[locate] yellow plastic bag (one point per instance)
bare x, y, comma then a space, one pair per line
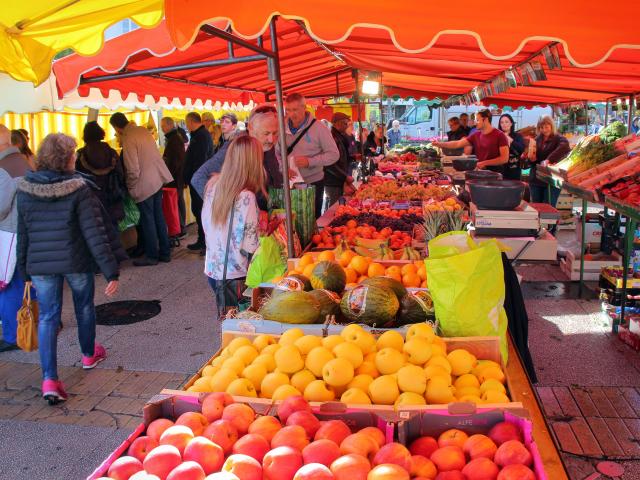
466, 282
27, 334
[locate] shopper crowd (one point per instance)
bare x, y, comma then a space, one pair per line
61, 210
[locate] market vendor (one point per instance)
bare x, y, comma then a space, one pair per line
490, 145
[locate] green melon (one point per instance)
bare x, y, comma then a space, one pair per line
328, 276
329, 303
387, 282
416, 307
371, 305
291, 307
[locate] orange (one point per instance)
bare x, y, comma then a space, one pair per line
362, 278
352, 275
409, 268
346, 257
327, 256
424, 284
352, 224
422, 272
394, 275
419, 263
394, 270
411, 280
308, 270
376, 270
359, 264
307, 259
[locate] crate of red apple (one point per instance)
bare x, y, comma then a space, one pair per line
220, 439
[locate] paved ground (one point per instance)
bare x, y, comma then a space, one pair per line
589, 381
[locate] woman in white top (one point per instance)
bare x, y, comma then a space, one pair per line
229, 198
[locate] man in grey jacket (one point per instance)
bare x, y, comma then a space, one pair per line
313, 146
13, 166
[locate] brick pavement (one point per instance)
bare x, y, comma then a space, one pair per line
111, 398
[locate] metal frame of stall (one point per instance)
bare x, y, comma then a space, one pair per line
272, 58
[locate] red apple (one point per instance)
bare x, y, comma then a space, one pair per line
452, 438
222, 433
351, 467
141, 446
334, 430
512, 452
124, 467
194, 420
314, 471
266, 427
157, 428
448, 458
240, 415
424, 446
207, 454
388, 471
243, 466
224, 397
306, 420
422, 467
360, 444
480, 469
451, 475
253, 445
480, 446
178, 436
516, 472
290, 405
292, 436
393, 453
281, 463
503, 432
187, 471
212, 408
321, 451
376, 434
161, 460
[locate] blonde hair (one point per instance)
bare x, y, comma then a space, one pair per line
57, 152
546, 120
242, 170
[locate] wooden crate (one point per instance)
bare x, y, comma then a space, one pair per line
484, 348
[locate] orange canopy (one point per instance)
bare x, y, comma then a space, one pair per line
590, 30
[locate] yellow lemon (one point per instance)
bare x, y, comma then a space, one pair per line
221, 380
290, 336
236, 343
301, 379
370, 357
491, 372
318, 391
288, 359
482, 364
271, 349
356, 334
461, 361
210, 371
218, 361
307, 343
337, 372
331, 341
284, 391
355, 396
255, 373
318, 358
247, 353
492, 384
384, 390
440, 361
409, 398
202, 384
467, 380
390, 339
271, 382
267, 360
436, 371
349, 351
439, 342
262, 341
389, 360
491, 396
418, 350
234, 363
462, 391
438, 350
412, 378
470, 398
424, 330
368, 368
361, 382
438, 392
242, 387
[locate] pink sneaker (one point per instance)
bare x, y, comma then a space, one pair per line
99, 354
53, 391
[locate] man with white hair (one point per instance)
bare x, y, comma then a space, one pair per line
13, 166
394, 134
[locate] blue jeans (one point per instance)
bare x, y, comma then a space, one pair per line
154, 228
49, 288
10, 303
540, 194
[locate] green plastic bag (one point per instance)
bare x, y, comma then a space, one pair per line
466, 281
131, 214
267, 263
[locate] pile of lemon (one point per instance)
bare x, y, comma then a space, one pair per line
354, 367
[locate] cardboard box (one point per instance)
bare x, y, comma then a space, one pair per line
571, 266
416, 424
545, 247
593, 232
484, 348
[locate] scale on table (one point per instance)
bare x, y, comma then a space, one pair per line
523, 221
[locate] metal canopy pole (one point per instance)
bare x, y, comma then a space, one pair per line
631, 102
606, 113
274, 74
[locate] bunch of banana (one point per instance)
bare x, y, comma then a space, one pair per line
342, 247
385, 253
409, 253
372, 243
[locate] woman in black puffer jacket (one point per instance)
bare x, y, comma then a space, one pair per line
62, 236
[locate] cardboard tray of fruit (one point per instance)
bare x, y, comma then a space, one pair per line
482, 444
186, 435
485, 349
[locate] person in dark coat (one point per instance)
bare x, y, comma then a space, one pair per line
457, 132
173, 156
511, 170
105, 166
62, 236
336, 176
551, 147
200, 149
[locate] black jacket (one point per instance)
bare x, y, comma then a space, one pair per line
173, 156
61, 227
371, 146
336, 174
199, 151
553, 149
